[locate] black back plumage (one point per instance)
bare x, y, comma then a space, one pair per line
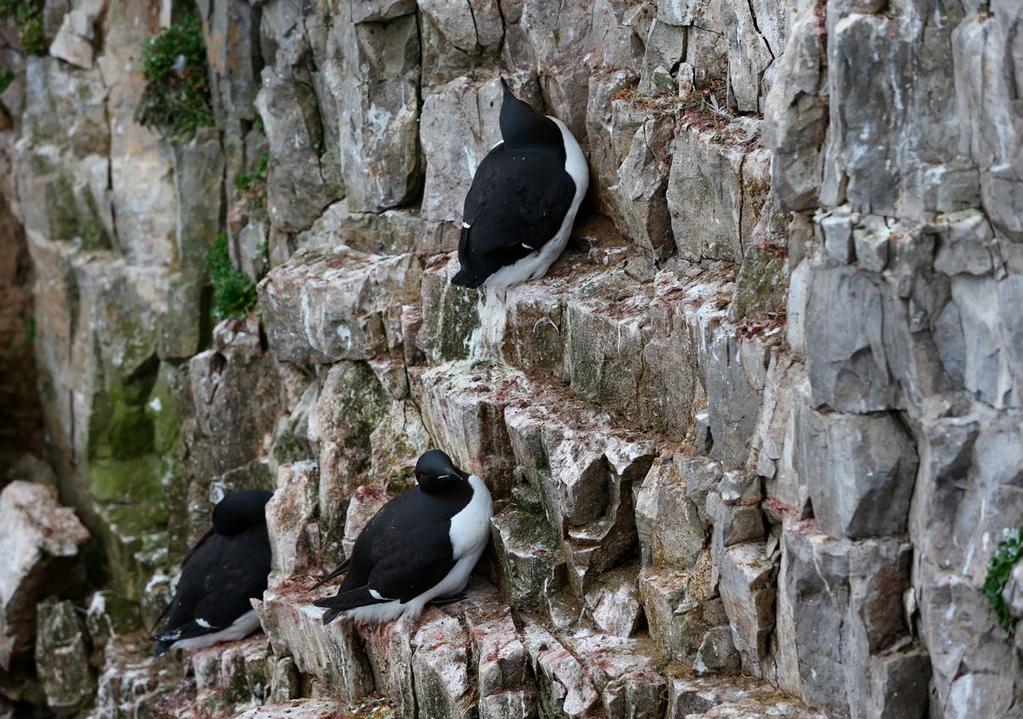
405, 549
519, 195
223, 571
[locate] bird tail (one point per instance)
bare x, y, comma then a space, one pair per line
336, 573
343, 601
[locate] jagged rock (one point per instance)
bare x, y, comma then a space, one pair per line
681, 606
376, 93
290, 521
795, 113
455, 41
966, 245
565, 688
108, 616
134, 683
351, 404
77, 34
42, 560
852, 590
527, 549
613, 602
710, 180
860, 470
748, 54
668, 522
624, 671
364, 503
585, 471
730, 698
62, 656
332, 653
747, 589
717, 654
848, 370
440, 668
330, 304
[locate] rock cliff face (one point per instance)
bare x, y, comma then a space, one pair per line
753, 440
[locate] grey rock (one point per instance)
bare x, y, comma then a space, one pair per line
860, 471
565, 688
748, 54
455, 41
848, 368
871, 242
681, 606
747, 590
731, 698
717, 654
329, 304
440, 666
966, 245
62, 656
838, 237
710, 181
669, 524
613, 602
290, 521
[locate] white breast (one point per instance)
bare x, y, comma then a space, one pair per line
470, 528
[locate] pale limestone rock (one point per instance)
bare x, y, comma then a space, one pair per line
42, 541
62, 656
290, 515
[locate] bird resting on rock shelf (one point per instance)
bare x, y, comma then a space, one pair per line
523, 200
420, 547
227, 568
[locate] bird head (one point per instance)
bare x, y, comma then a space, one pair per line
522, 126
240, 510
435, 470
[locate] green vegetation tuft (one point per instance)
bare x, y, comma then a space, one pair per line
251, 186
28, 17
177, 95
234, 292
1008, 552
6, 78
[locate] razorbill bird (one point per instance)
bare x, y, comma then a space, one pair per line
523, 200
420, 546
223, 571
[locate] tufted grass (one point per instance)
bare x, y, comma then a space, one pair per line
234, 293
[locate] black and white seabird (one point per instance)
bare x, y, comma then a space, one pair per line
523, 200
223, 571
421, 546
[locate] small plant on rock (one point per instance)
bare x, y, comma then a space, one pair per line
234, 291
28, 17
251, 186
177, 95
999, 568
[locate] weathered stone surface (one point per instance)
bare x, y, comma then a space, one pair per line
62, 656
109, 615
718, 182
717, 654
848, 369
669, 525
134, 682
330, 304
795, 113
41, 559
332, 653
860, 470
565, 688
290, 515
747, 589
728, 698
852, 591
77, 35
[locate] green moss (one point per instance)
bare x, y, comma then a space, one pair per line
460, 319
999, 568
28, 17
234, 292
177, 95
6, 78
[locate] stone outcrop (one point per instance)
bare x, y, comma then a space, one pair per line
753, 440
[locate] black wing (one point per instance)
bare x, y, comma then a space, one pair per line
217, 581
516, 204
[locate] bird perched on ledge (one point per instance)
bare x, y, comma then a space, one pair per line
420, 547
227, 568
523, 200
